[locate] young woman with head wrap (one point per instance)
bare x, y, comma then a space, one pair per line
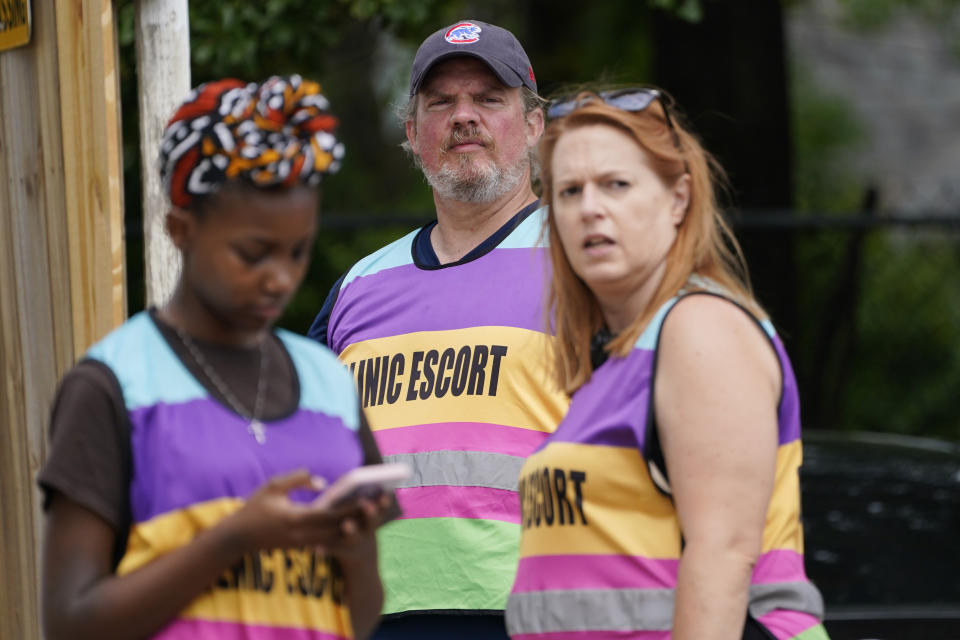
188, 445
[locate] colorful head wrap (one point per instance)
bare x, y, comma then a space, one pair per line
276, 133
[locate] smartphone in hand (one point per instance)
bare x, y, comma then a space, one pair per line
370, 481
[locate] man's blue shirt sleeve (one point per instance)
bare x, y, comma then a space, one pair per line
318, 330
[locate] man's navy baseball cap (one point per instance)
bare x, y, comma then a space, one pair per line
494, 45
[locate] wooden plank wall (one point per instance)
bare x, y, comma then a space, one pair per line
93, 166
61, 255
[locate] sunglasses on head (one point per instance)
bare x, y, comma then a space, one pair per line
632, 100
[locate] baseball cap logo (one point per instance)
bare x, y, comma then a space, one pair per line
462, 33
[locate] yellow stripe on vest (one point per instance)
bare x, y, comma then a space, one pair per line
282, 587
597, 499
588, 502
495, 375
783, 529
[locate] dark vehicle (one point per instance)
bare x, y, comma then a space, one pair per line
882, 525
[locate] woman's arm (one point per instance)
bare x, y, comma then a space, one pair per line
358, 559
83, 598
716, 395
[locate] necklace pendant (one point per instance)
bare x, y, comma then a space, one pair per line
258, 431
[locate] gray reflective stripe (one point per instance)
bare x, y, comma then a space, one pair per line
796, 596
590, 610
636, 609
461, 469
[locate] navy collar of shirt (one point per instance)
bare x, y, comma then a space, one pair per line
426, 258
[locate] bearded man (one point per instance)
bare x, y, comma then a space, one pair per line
444, 333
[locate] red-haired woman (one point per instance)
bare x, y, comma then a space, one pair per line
667, 502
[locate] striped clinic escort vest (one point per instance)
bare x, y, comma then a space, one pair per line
450, 366
194, 463
601, 544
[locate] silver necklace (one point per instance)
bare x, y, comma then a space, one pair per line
256, 428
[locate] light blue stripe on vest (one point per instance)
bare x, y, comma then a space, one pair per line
709, 285
768, 327
648, 339
395, 254
148, 370
325, 384
528, 233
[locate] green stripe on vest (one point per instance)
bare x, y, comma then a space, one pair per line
447, 563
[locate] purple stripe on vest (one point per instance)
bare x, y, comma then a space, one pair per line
199, 451
459, 436
789, 416
605, 409
216, 630
478, 503
546, 573
407, 299
615, 398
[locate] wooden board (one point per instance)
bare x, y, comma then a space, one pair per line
90, 125
61, 217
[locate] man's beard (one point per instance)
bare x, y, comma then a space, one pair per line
469, 179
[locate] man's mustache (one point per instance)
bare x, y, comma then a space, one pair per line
472, 134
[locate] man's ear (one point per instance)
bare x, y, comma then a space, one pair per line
535, 126
411, 128
180, 226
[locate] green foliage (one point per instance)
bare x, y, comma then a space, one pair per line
826, 132
348, 45
879, 323
398, 12
907, 364
238, 38
328, 40
572, 54
891, 362
873, 15
689, 10
902, 364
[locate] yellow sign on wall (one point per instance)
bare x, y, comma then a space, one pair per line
15, 23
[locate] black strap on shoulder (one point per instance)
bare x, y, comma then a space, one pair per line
657, 465
653, 451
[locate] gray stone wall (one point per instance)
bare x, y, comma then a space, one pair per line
902, 80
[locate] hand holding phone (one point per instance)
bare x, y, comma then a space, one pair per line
370, 482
